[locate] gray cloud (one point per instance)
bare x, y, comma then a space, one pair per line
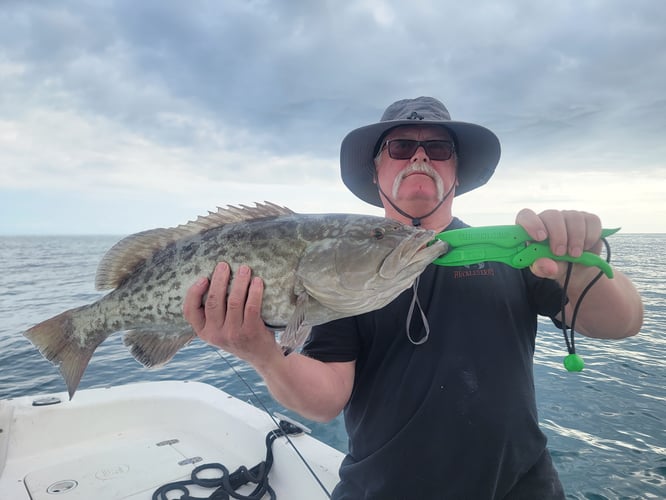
299, 75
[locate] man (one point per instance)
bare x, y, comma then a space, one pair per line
437, 387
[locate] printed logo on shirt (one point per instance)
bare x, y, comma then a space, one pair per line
474, 270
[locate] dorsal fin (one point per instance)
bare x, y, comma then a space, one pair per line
131, 252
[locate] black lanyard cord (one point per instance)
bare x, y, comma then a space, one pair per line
573, 362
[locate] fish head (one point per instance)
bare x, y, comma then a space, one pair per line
390, 252
368, 263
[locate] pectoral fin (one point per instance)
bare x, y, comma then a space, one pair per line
297, 330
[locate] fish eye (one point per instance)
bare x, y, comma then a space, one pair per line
378, 233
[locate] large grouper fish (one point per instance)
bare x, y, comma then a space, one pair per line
316, 268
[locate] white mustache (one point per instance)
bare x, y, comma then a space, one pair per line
419, 168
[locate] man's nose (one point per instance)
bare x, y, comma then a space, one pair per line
420, 155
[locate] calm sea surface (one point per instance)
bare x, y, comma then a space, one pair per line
606, 425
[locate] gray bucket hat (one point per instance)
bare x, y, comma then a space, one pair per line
477, 148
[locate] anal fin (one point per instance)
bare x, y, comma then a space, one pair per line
155, 348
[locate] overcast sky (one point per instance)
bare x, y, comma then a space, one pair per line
120, 116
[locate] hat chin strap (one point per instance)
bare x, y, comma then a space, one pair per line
416, 221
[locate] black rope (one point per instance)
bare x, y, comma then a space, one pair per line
569, 338
261, 403
227, 483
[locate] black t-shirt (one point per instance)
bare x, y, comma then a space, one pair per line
453, 417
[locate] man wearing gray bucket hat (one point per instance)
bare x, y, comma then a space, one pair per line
437, 387
477, 148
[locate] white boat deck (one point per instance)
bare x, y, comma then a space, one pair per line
124, 442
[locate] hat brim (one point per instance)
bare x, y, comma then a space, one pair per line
478, 151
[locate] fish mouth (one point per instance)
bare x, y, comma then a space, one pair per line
414, 251
430, 248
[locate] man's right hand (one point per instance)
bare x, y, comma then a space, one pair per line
231, 323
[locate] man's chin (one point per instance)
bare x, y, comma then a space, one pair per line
419, 197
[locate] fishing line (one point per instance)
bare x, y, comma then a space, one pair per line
573, 362
277, 424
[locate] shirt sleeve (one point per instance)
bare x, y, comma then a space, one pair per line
546, 294
336, 341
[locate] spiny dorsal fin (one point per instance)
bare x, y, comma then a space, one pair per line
131, 252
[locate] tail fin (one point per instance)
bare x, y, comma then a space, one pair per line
70, 351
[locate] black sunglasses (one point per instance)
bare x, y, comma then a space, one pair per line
404, 149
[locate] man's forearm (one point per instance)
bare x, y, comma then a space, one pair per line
316, 390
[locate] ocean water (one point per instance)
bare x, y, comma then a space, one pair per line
606, 425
